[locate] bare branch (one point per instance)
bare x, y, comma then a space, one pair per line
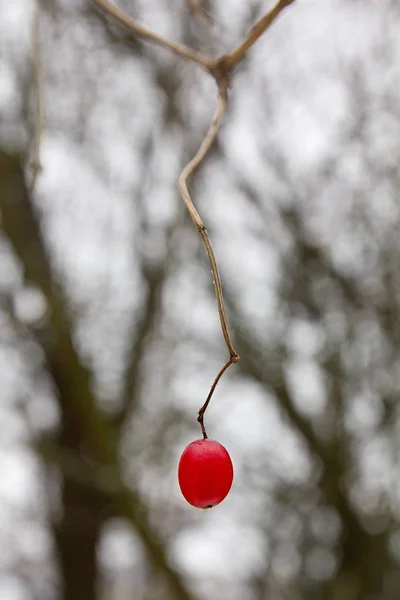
259, 28
201, 228
38, 78
220, 69
176, 47
197, 10
183, 188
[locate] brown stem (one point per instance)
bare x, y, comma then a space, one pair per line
203, 409
187, 171
224, 63
238, 54
220, 69
201, 228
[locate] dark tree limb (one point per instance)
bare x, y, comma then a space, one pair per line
84, 428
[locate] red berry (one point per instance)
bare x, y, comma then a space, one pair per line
205, 473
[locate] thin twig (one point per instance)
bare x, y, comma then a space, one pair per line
220, 69
201, 12
234, 57
221, 66
203, 409
38, 78
201, 228
176, 47
183, 188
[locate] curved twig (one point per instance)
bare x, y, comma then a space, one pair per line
220, 69
201, 228
202, 410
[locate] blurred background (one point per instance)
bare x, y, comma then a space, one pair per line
109, 332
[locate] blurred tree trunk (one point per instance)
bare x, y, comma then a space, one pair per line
76, 537
82, 513
86, 444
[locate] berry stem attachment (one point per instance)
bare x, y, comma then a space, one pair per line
203, 409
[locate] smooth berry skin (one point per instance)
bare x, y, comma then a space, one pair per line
205, 473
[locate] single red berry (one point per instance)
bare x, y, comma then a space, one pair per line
205, 473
